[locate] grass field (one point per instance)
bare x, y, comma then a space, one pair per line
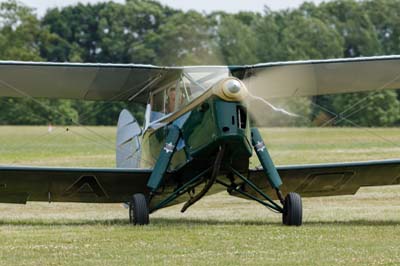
219, 230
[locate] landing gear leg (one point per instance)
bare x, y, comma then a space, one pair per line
266, 161
163, 160
139, 204
292, 205
209, 182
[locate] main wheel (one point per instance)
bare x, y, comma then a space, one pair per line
138, 210
292, 210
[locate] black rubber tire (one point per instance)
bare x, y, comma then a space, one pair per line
293, 210
138, 210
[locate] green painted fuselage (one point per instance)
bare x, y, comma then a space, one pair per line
204, 129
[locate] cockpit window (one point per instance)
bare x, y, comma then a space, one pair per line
205, 77
157, 105
192, 83
171, 101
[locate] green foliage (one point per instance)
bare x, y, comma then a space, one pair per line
105, 113
19, 32
124, 31
268, 47
77, 26
145, 31
385, 16
309, 38
349, 19
237, 41
186, 38
378, 108
36, 112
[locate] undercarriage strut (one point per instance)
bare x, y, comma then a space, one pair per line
209, 182
208, 176
266, 162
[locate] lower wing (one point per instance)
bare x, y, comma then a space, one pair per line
20, 184
331, 179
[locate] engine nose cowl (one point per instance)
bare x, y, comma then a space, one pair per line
231, 89
232, 86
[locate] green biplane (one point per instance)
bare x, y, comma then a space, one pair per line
197, 137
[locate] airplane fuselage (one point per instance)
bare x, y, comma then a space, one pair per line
205, 126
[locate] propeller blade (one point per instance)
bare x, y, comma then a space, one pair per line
320, 77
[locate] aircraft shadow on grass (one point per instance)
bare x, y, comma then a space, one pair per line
194, 222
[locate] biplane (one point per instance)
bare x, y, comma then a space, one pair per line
198, 136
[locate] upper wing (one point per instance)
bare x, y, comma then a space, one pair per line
127, 81
331, 179
77, 81
317, 77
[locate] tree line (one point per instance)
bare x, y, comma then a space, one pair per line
147, 32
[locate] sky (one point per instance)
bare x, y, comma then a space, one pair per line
231, 6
